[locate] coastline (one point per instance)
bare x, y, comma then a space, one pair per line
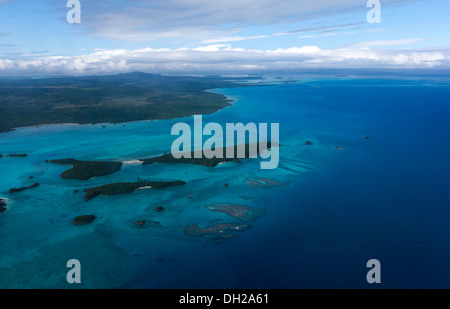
107, 123
122, 123
152, 98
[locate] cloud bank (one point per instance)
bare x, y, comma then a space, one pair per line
224, 58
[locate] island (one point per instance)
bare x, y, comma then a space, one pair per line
17, 155
83, 170
83, 220
190, 158
107, 99
169, 159
129, 187
15, 190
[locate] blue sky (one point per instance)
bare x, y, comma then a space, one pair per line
232, 36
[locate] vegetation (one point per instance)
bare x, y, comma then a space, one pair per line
128, 187
209, 162
168, 158
82, 220
106, 99
83, 170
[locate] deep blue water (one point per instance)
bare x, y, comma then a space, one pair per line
384, 198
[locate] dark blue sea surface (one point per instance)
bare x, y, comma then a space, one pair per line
340, 202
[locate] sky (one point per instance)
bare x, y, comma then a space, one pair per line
220, 36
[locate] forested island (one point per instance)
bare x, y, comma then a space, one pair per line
107, 99
129, 187
83, 170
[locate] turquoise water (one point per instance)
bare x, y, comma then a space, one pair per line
386, 197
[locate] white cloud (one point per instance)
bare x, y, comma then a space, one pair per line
224, 58
296, 50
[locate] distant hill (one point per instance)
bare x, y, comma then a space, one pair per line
106, 99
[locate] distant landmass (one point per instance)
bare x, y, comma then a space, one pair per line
107, 99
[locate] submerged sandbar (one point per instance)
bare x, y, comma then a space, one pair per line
243, 212
222, 230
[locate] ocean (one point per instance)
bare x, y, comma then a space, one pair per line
374, 184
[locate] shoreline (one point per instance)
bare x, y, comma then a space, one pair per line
123, 123
151, 98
